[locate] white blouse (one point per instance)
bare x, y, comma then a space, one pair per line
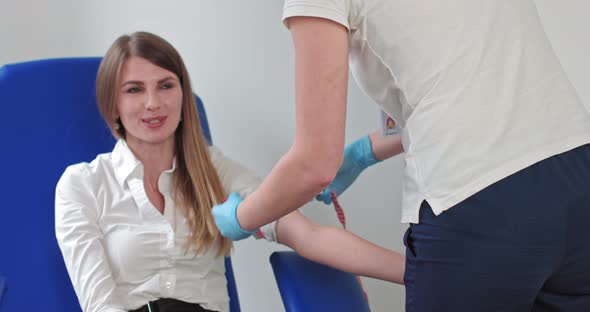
120, 252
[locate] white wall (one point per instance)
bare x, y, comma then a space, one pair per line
240, 59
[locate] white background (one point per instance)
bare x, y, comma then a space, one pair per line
240, 59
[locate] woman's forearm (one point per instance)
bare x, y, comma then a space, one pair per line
339, 249
345, 251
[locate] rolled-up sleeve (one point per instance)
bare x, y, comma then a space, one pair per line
81, 242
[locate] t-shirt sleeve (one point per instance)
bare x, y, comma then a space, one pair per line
334, 10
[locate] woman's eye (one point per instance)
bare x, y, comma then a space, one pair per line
133, 90
167, 86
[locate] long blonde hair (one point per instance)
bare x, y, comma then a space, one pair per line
196, 183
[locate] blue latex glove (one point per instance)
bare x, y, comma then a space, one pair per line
358, 156
226, 218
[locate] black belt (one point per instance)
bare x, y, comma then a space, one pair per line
170, 305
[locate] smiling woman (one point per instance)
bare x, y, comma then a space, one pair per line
140, 86
149, 108
135, 225
150, 96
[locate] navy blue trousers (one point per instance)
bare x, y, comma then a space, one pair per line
521, 244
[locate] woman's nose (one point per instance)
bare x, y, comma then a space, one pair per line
152, 101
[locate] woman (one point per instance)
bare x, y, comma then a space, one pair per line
497, 161
135, 225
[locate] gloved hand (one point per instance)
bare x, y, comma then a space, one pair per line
226, 218
358, 156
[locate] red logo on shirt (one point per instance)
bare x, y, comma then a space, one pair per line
390, 123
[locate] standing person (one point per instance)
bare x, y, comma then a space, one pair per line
135, 226
497, 161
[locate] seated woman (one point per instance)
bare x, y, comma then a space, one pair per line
135, 225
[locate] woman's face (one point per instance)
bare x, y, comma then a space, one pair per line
149, 102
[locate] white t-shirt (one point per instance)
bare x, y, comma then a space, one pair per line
120, 252
475, 84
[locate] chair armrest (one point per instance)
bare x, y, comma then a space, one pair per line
307, 286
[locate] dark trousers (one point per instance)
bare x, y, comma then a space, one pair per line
171, 305
520, 245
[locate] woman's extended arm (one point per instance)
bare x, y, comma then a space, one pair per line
339, 249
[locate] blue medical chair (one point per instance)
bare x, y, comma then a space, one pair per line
307, 286
49, 120
2, 283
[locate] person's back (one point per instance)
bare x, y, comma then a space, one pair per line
472, 82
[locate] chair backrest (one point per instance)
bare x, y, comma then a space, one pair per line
51, 120
2, 282
307, 286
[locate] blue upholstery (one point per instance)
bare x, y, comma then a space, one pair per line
307, 286
50, 120
2, 284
